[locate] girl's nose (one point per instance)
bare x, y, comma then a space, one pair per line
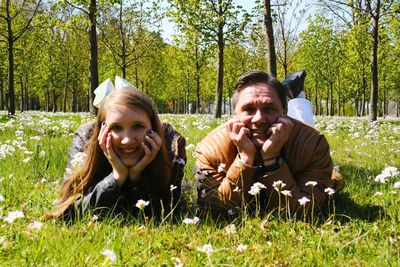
130, 137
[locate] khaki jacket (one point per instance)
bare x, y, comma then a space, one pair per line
225, 181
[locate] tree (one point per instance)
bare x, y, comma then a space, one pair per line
18, 18
375, 9
197, 51
289, 16
270, 38
216, 20
319, 53
91, 13
124, 32
2, 76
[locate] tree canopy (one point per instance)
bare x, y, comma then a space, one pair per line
48, 60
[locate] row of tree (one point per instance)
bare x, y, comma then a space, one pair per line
53, 54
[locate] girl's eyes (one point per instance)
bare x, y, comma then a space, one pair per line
117, 128
138, 126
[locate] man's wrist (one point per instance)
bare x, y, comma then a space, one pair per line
270, 165
270, 161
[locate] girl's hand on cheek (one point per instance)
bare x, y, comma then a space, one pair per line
151, 145
120, 171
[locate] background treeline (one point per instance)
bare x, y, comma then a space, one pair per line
53, 54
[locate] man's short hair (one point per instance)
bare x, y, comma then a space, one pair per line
257, 76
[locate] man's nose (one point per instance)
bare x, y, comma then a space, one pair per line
259, 116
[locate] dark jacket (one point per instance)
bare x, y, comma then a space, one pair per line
106, 196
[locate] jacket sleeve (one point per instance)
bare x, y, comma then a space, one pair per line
223, 189
317, 168
79, 141
224, 179
176, 147
103, 197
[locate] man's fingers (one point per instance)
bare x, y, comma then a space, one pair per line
243, 132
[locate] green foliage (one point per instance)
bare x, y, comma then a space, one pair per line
364, 230
52, 56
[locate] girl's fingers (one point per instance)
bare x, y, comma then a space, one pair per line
102, 129
103, 135
153, 144
154, 136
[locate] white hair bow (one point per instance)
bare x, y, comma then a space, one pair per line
107, 86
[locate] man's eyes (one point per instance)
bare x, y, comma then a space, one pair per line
267, 110
250, 110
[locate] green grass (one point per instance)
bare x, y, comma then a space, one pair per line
364, 231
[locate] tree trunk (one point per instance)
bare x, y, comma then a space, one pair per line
74, 98
94, 74
339, 97
327, 106
270, 38
1, 93
220, 78
197, 81
11, 93
331, 108
47, 100
343, 107
66, 87
316, 104
54, 102
187, 96
22, 93
398, 105
374, 65
357, 103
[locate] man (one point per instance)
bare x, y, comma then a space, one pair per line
261, 144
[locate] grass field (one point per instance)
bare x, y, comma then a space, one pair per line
360, 228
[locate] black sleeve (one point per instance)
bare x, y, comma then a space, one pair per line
79, 141
105, 196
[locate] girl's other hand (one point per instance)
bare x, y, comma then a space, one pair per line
151, 145
120, 171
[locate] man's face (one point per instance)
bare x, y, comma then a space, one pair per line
258, 107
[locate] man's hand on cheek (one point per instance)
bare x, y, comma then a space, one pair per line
279, 133
240, 136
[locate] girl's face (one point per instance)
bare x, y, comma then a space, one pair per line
128, 126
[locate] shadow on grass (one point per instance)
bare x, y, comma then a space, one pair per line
347, 209
354, 201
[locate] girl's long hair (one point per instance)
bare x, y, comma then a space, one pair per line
96, 165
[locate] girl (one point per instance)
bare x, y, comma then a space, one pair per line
131, 156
